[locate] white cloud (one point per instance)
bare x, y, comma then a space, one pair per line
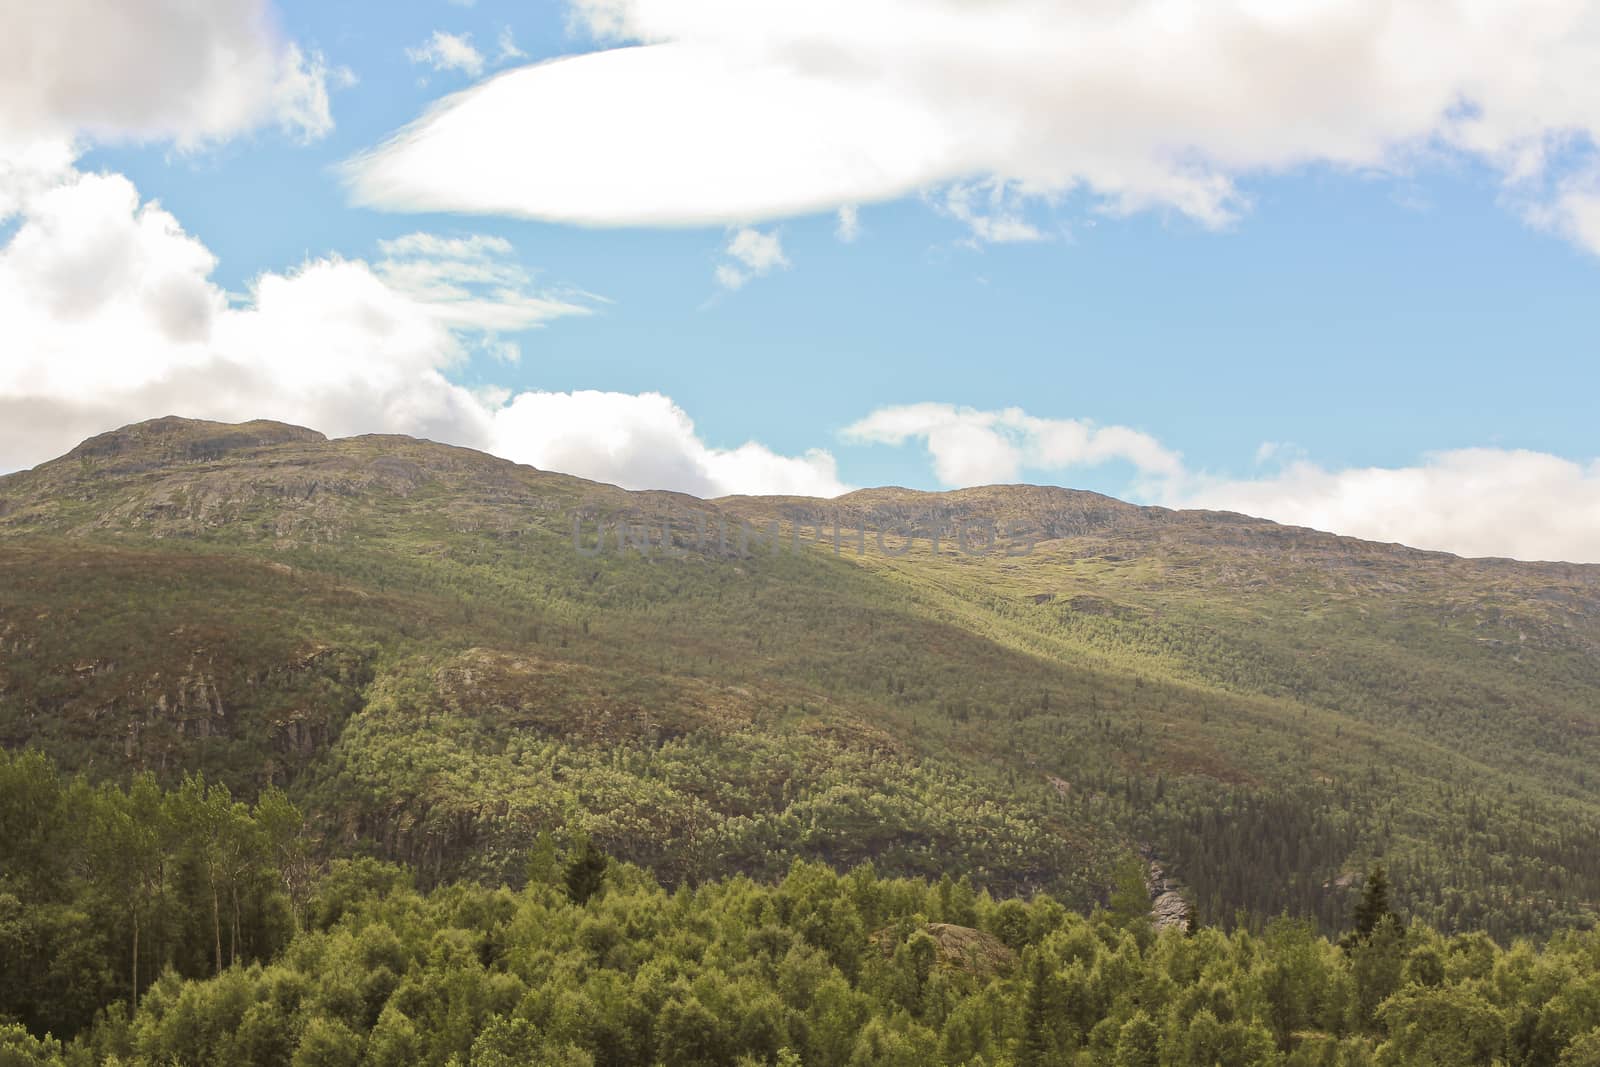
754, 254
449, 51
756, 250
157, 70
728, 111
471, 283
108, 315
991, 210
1573, 209
1474, 502
973, 447
848, 226
648, 442
507, 43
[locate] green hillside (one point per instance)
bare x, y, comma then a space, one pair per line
406, 637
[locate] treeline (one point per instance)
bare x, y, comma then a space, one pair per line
1508, 870
103, 888
250, 957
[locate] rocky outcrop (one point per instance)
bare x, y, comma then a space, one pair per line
959, 948
1169, 908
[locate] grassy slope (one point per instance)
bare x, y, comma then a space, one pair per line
406, 632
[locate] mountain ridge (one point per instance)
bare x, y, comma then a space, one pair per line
198, 441
408, 637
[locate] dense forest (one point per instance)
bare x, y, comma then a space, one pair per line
151, 926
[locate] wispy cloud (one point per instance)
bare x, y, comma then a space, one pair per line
753, 253
508, 50
448, 51
992, 212
848, 225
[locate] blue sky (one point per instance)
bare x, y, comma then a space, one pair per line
1340, 319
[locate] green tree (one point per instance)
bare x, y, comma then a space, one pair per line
1374, 906
542, 867
1130, 898
284, 832
585, 872
1452, 1027
1584, 1051
1042, 1008
132, 834
688, 1035
1138, 1042
1377, 963
18, 1048
327, 1043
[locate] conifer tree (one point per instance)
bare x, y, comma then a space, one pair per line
586, 871
1374, 905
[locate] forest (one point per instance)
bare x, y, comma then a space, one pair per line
145, 925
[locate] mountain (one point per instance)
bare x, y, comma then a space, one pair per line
426, 647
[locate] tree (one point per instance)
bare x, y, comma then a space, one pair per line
541, 866
18, 1048
1138, 1042
1584, 1051
687, 1033
202, 815
284, 829
1376, 963
1451, 1027
131, 834
1041, 1008
241, 847
1374, 905
586, 871
1130, 899
327, 1043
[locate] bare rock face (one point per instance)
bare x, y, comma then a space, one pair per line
1170, 911
959, 948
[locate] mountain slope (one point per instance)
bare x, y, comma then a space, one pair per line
424, 643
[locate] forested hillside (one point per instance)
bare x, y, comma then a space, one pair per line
430, 656
255, 958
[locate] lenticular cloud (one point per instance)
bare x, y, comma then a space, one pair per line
709, 112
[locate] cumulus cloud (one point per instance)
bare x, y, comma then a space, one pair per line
648, 442
727, 111
753, 253
108, 315
107, 306
1473, 502
157, 70
972, 447
448, 51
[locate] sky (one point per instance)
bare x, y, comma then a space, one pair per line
1330, 263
